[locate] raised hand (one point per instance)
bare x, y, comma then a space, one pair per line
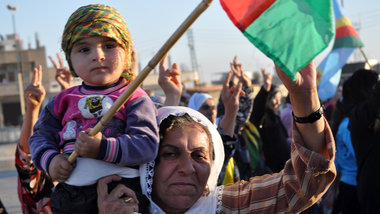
34, 95
170, 82
237, 70
305, 79
304, 98
62, 75
35, 92
267, 79
230, 95
230, 98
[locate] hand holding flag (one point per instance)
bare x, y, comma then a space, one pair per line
305, 101
290, 32
304, 83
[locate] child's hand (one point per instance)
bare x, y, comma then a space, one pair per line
88, 146
60, 169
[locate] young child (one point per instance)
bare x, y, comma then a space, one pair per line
98, 49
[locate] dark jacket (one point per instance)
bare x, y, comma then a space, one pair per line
367, 148
273, 133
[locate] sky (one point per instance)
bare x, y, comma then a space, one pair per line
152, 22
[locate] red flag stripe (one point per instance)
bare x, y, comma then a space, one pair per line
346, 31
242, 13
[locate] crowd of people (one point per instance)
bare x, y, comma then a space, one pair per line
242, 154
355, 123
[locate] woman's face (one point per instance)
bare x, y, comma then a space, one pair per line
275, 102
208, 109
183, 168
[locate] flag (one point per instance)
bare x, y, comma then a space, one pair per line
290, 32
346, 41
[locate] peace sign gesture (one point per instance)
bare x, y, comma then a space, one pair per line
34, 94
267, 79
62, 75
170, 82
230, 98
238, 72
35, 91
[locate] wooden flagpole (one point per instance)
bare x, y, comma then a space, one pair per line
365, 57
145, 72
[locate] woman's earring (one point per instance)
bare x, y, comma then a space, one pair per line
206, 191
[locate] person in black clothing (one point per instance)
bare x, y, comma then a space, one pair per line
330, 105
364, 88
266, 117
2, 208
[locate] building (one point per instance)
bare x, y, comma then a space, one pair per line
17, 63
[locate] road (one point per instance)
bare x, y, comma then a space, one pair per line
8, 179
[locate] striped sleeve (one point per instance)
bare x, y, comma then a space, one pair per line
46, 158
109, 150
304, 179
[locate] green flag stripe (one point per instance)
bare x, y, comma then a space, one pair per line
293, 32
347, 42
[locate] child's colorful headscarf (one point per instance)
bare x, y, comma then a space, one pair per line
97, 20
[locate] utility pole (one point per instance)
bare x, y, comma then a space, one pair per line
193, 57
357, 55
19, 62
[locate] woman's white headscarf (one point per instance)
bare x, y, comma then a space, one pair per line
205, 204
197, 99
